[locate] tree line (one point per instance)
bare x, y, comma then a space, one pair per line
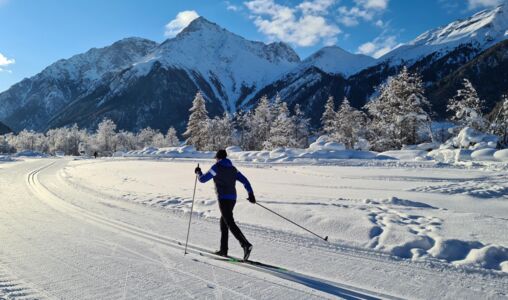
398, 115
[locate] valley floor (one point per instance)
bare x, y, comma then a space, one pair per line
110, 228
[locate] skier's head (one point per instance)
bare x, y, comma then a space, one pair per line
221, 154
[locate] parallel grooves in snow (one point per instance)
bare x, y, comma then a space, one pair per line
332, 288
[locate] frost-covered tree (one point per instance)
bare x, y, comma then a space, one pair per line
282, 130
328, 119
399, 113
196, 132
29, 140
220, 133
146, 136
66, 140
466, 107
256, 125
351, 125
126, 141
105, 137
302, 127
499, 125
172, 138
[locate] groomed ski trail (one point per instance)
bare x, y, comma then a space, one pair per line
318, 284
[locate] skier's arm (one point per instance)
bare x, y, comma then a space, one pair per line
244, 181
208, 175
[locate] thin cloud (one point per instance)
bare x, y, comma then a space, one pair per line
379, 46
4, 62
474, 4
303, 25
364, 10
182, 20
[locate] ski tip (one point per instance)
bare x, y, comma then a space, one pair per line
326, 238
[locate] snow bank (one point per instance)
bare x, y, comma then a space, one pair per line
469, 138
5, 158
30, 153
320, 150
501, 155
408, 155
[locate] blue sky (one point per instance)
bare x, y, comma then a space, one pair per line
36, 33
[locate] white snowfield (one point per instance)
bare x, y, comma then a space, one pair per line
110, 228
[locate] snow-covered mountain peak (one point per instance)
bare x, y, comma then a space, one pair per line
94, 63
482, 30
335, 60
222, 56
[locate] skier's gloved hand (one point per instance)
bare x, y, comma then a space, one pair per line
197, 171
252, 198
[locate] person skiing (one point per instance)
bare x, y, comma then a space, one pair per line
225, 175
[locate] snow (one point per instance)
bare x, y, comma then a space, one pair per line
232, 61
482, 30
103, 228
30, 153
334, 60
401, 212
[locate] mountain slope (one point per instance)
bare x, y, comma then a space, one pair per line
231, 65
334, 60
481, 30
4, 129
30, 103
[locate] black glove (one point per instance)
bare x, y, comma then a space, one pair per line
252, 198
197, 171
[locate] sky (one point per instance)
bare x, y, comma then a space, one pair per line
36, 33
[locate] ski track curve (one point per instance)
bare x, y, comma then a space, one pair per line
214, 279
318, 284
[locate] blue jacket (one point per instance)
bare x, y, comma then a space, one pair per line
225, 175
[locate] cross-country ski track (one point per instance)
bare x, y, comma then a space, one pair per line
64, 241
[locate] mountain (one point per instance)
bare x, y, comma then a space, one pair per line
149, 84
33, 101
335, 60
482, 31
140, 83
4, 129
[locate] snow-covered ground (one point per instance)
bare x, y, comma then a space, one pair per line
103, 229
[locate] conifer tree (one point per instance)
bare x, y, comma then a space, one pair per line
328, 119
467, 106
196, 127
399, 113
350, 125
302, 127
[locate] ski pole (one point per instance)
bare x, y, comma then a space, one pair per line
192, 208
323, 238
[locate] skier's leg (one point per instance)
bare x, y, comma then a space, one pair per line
224, 236
226, 208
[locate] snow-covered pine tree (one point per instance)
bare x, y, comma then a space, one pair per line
196, 132
302, 127
158, 140
328, 119
220, 133
126, 141
105, 137
399, 113
499, 125
467, 106
256, 125
350, 125
172, 138
145, 137
282, 130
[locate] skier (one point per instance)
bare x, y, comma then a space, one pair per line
95, 154
225, 175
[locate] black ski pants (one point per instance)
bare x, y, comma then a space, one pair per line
227, 222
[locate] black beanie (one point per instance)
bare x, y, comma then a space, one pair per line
221, 154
